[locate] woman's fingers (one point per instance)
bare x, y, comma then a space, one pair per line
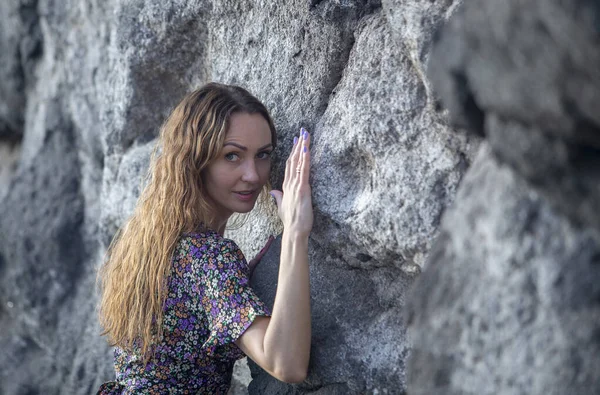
299, 153
296, 154
294, 162
305, 169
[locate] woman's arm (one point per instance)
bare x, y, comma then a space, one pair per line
281, 344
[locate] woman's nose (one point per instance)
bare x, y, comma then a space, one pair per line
250, 172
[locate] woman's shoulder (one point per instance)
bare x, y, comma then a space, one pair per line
208, 239
207, 236
207, 247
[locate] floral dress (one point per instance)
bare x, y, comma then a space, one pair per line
208, 307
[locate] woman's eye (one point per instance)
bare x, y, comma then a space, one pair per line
231, 156
264, 155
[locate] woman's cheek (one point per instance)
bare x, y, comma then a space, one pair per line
265, 168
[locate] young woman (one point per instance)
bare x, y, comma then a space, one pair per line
176, 302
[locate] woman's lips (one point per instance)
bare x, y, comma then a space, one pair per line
244, 195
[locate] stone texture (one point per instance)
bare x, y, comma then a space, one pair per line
49, 326
512, 72
9, 158
85, 88
415, 25
396, 166
359, 306
509, 300
21, 47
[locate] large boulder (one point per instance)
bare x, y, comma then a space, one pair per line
509, 300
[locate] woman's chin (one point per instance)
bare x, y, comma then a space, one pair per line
244, 210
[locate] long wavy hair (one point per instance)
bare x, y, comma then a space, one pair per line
133, 276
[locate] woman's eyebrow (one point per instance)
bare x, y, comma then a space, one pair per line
245, 148
265, 147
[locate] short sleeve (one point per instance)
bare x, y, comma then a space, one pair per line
227, 299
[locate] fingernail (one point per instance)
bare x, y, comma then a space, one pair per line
302, 131
295, 140
305, 135
304, 148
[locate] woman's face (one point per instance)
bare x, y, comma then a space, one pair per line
236, 177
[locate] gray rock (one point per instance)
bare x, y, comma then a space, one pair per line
509, 301
384, 169
568, 174
525, 75
47, 324
416, 23
9, 158
517, 61
123, 180
21, 47
359, 306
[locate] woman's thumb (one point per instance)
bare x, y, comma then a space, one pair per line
277, 195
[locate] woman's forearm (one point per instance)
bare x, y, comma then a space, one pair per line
288, 336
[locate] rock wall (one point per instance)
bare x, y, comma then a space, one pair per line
510, 300
85, 85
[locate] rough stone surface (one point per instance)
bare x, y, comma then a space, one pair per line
524, 76
9, 158
84, 87
396, 165
509, 300
357, 305
21, 46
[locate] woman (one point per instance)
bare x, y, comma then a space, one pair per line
175, 297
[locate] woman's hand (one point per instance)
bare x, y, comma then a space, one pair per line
294, 204
252, 264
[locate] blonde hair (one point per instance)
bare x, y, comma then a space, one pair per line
133, 276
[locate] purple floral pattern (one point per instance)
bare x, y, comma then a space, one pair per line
208, 307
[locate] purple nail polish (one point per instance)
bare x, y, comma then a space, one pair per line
295, 140
304, 148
